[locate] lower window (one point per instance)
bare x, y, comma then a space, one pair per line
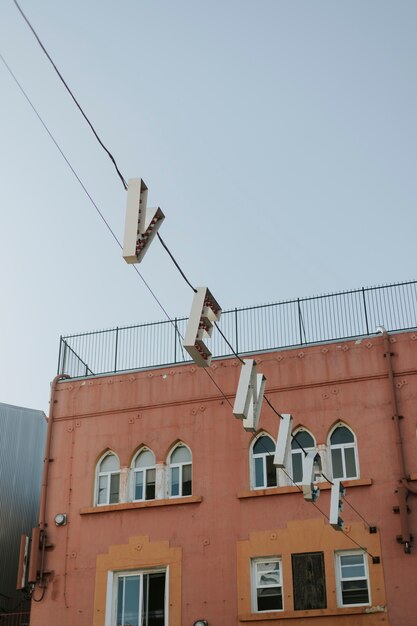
352, 578
266, 585
139, 599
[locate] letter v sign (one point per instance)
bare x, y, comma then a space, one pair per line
139, 228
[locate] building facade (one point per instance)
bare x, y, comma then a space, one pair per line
22, 443
160, 509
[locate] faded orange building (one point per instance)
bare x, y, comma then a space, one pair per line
171, 511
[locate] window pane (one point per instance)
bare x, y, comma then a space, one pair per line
175, 481
181, 455
131, 601
350, 462
259, 472
355, 592
302, 438
342, 435
114, 488
102, 490
351, 559
120, 596
150, 484
269, 599
145, 459
156, 600
268, 574
109, 464
139, 485
186, 480
297, 467
337, 463
264, 445
271, 472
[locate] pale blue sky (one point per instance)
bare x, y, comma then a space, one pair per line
279, 138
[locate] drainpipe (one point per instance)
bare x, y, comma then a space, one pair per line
404, 487
37, 551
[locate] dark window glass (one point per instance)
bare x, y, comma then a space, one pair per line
271, 472
355, 592
342, 435
350, 462
186, 480
150, 484
309, 581
114, 488
175, 481
337, 464
302, 438
270, 599
156, 600
264, 445
297, 467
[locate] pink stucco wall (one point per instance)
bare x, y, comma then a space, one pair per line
318, 385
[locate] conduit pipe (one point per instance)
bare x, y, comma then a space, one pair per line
38, 534
404, 487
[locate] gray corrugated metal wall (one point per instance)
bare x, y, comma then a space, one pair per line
22, 443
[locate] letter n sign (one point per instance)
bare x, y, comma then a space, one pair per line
140, 228
204, 312
249, 396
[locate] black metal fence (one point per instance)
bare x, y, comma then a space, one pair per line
302, 321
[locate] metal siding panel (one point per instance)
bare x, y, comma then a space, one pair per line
22, 443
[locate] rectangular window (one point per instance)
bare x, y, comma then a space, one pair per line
309, 581
139, 599
266, 585
352, 578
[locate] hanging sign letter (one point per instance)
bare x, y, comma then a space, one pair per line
249, 396
336, 505
204, 312
283, 441
311, 470
139, 228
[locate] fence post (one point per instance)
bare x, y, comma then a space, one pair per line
175, 339
364, 308
236, 333
299, 321
64, 357
59, 356
115, 349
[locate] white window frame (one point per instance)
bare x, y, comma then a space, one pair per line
261, 455
107, 475
111, 595
342, 447
254, 586
340, 579
144, 470
300, 452
180, 467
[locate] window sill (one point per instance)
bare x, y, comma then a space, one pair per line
277, 615
146, 504
276, 491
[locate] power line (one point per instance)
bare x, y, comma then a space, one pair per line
115, 237
71, 94
86, 191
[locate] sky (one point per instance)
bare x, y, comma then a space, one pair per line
279, 137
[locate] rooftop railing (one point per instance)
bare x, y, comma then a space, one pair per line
291, 323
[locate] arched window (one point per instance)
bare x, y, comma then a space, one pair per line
343, 453
144, 475
301, 441
108, 479
264, 473
180, 465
